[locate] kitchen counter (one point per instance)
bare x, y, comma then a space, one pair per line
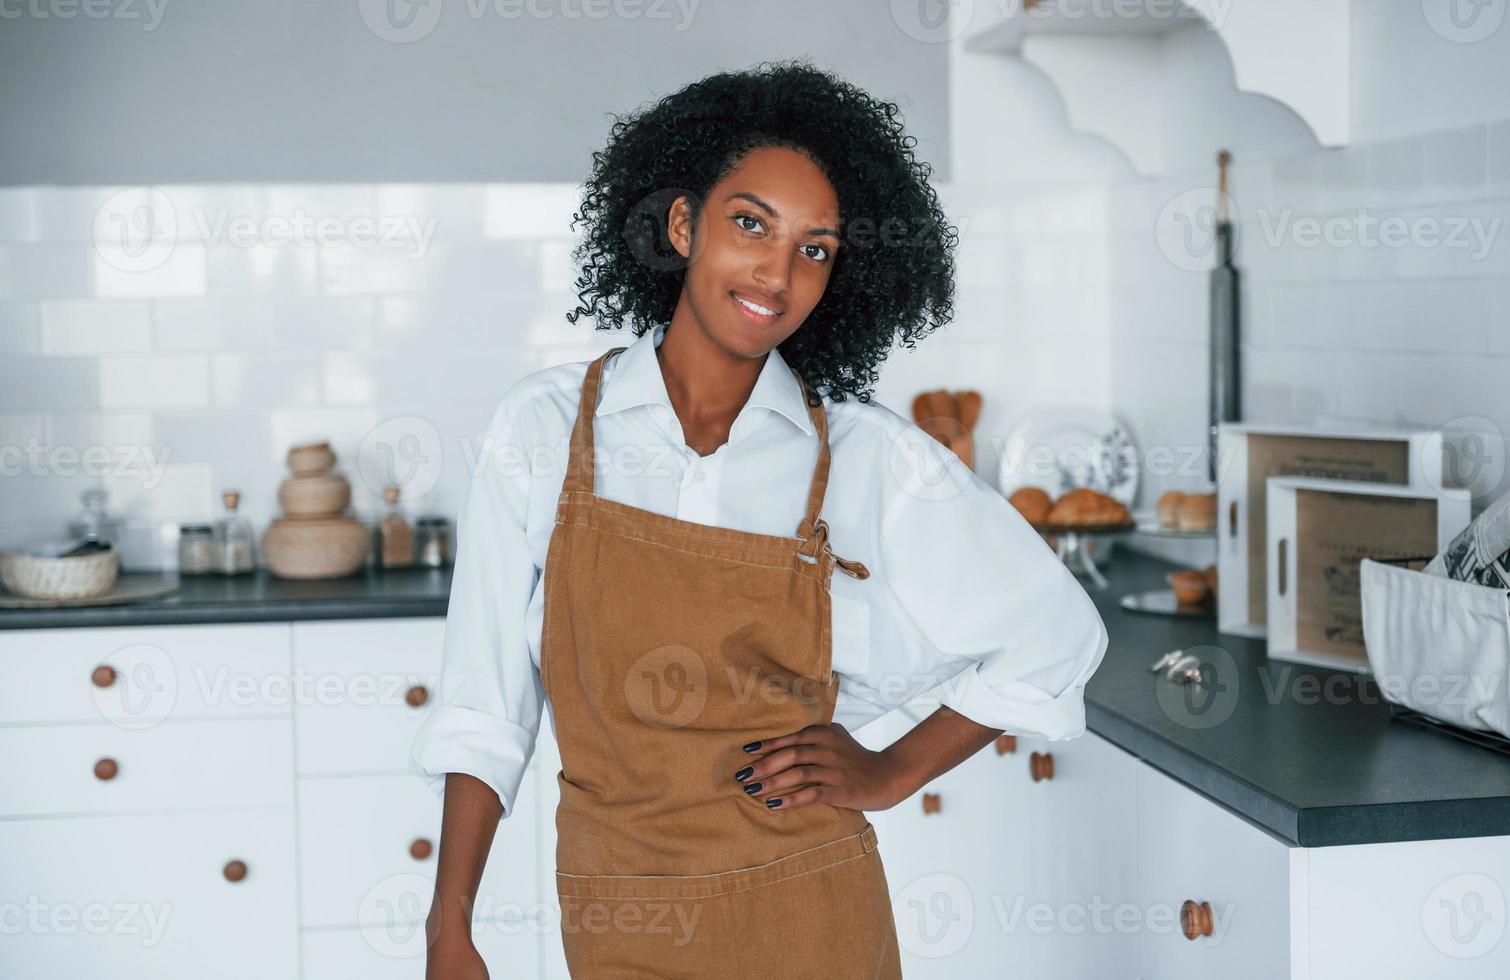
1310, 756
259, 598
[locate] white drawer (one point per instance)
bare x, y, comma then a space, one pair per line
146, 897
954, 872
1082, 847
356, 866
230, 764
359, 674
1191, 849
159, 673
1432, 908
510, 948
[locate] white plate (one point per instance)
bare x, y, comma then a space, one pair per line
1061, 449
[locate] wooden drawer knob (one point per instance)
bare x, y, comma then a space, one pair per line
103, 676
932, 803
234, 870
420, 849
416, 696
1005, 744
106, 768
1195, 919
1041, 765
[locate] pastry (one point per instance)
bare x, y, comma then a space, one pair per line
1032, 503
1197, 512
1086, 507
1189, 586
1169, 508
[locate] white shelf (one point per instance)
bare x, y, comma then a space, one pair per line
1105, 56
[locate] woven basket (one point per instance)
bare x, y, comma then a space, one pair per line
76, 577
305, 548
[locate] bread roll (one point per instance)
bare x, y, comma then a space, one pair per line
1032, 503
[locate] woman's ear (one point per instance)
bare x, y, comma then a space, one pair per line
679, 223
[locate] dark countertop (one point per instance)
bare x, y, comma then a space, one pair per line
259, 598
1309, 755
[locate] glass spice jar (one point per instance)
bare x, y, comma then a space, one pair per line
432, 541
196, 549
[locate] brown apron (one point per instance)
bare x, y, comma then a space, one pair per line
666, 646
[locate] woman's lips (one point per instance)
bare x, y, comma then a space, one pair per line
760, 319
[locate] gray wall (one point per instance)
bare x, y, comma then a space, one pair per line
170, 91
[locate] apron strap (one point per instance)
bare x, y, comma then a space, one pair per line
579, 464
810, 521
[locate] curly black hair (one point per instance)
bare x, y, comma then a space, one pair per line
892, 280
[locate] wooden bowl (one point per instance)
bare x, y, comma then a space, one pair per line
314, 495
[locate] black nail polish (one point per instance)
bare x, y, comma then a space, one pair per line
753, 746
744, 773
774, 803
753, 788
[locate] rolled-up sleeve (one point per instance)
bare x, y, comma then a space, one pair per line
485, 720
985, 590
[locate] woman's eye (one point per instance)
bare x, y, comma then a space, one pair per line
822, 252
745, 217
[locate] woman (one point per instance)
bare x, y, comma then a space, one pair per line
655, 532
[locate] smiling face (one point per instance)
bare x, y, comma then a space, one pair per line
765, 245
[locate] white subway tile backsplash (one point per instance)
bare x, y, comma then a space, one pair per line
348, 270
349, 379
155, 381
262, 269
217, 351
530, 211
49, 384
204, 436
45, 271
159, 268
19, 220
122, 433
80, 327
246, 382
20, 328
1456, 161
1498, 139
265, 324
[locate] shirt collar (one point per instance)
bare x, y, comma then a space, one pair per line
637, 380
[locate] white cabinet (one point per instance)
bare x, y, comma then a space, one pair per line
281, 761
1241, 885
364, 689
72, 769
1081, 891
142, 897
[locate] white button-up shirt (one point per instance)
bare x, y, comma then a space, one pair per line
965, 602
